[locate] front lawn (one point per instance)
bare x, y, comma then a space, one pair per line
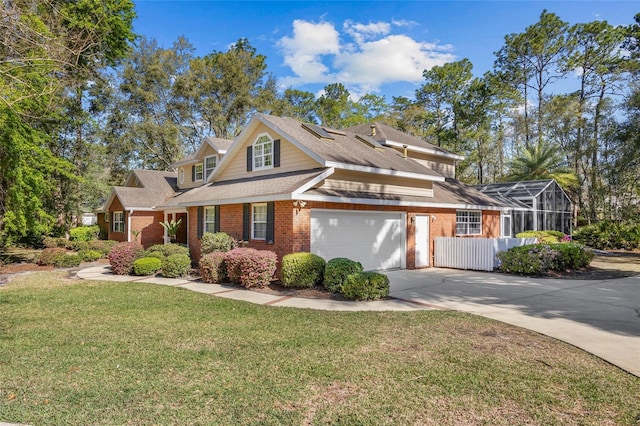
79, 352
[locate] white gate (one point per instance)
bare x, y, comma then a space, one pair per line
473, 253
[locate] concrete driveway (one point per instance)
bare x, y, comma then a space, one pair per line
602, 317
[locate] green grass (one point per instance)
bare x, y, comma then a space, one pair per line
79, 352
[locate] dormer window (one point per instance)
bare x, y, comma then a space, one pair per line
263, 153
210, 163
198, 172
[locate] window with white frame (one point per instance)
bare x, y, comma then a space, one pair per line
259, 221
118, 221
181, 175
198, 173
468, 222
106, 217
263, 153
210, 163
209, 219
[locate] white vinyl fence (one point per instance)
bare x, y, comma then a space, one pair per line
473, 253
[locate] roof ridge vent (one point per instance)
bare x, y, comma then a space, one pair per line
317, 131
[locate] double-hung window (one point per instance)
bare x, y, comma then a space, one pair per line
468, 222
263, 153
118, 221
198, 172
210, 219
210, 163
259, 221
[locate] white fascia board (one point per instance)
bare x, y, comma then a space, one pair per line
400, 203
186, 162
141, 209
322, 176
424, 150
256, 199
386, 172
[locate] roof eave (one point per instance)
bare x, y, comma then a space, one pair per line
386, 172
424, 150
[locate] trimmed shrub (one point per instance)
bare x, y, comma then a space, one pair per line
103, 246
77, 245
53, 242
156, 254
365, 286
89, 255
122, 256
302, 270
250, 267
176, 265
50, 256
84, 233
538, 259
146, 266
168, 249
543, 237
218, 241
68, 261
337, 270
212, 267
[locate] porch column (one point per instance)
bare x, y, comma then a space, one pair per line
165, 237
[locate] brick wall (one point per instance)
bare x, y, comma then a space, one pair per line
293, 233
148, 223
116, 206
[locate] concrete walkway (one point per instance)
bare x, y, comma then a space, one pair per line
601, 317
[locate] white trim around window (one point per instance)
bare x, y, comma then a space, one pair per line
118, 221
198, 174
468, 222
209, 219
259, 221
263, 152
210, 163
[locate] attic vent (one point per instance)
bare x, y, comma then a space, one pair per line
370, 141
317, 131
335, 132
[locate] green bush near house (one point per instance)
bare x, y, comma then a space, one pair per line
217, 241
146, 266
302, 270
103, 246
176, 265
49, 256
336, 272
122, 256
168, 249
365, 286
89, 255
543, 236
539, 259
156, 254
68, 261
53, 242
212, 267
84, 233
77, 245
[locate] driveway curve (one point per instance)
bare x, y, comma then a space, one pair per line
600, 316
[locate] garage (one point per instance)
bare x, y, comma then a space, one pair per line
375, 239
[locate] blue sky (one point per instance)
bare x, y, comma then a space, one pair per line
379, 47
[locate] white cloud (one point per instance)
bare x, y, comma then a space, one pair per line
316, 54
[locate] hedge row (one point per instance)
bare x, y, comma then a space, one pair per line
608, 235
131, 258
539, 259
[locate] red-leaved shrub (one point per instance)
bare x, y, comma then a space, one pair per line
250, 267
122, 256
50, 256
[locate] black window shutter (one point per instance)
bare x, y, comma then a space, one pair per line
113, 225
216, 226
246, 221
200, 218
249, 159
125, 216
270, 222
276, 153
193, 173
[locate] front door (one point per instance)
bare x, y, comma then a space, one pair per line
422, 241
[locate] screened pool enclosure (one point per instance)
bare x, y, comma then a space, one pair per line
535, 205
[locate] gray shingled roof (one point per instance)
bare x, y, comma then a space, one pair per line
387, 133
450, 192
244, 188
347, 149
157, 187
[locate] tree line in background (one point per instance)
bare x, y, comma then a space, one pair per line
83, 100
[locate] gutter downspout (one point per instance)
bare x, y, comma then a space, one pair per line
129, 225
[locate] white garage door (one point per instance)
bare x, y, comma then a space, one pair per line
375, 239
